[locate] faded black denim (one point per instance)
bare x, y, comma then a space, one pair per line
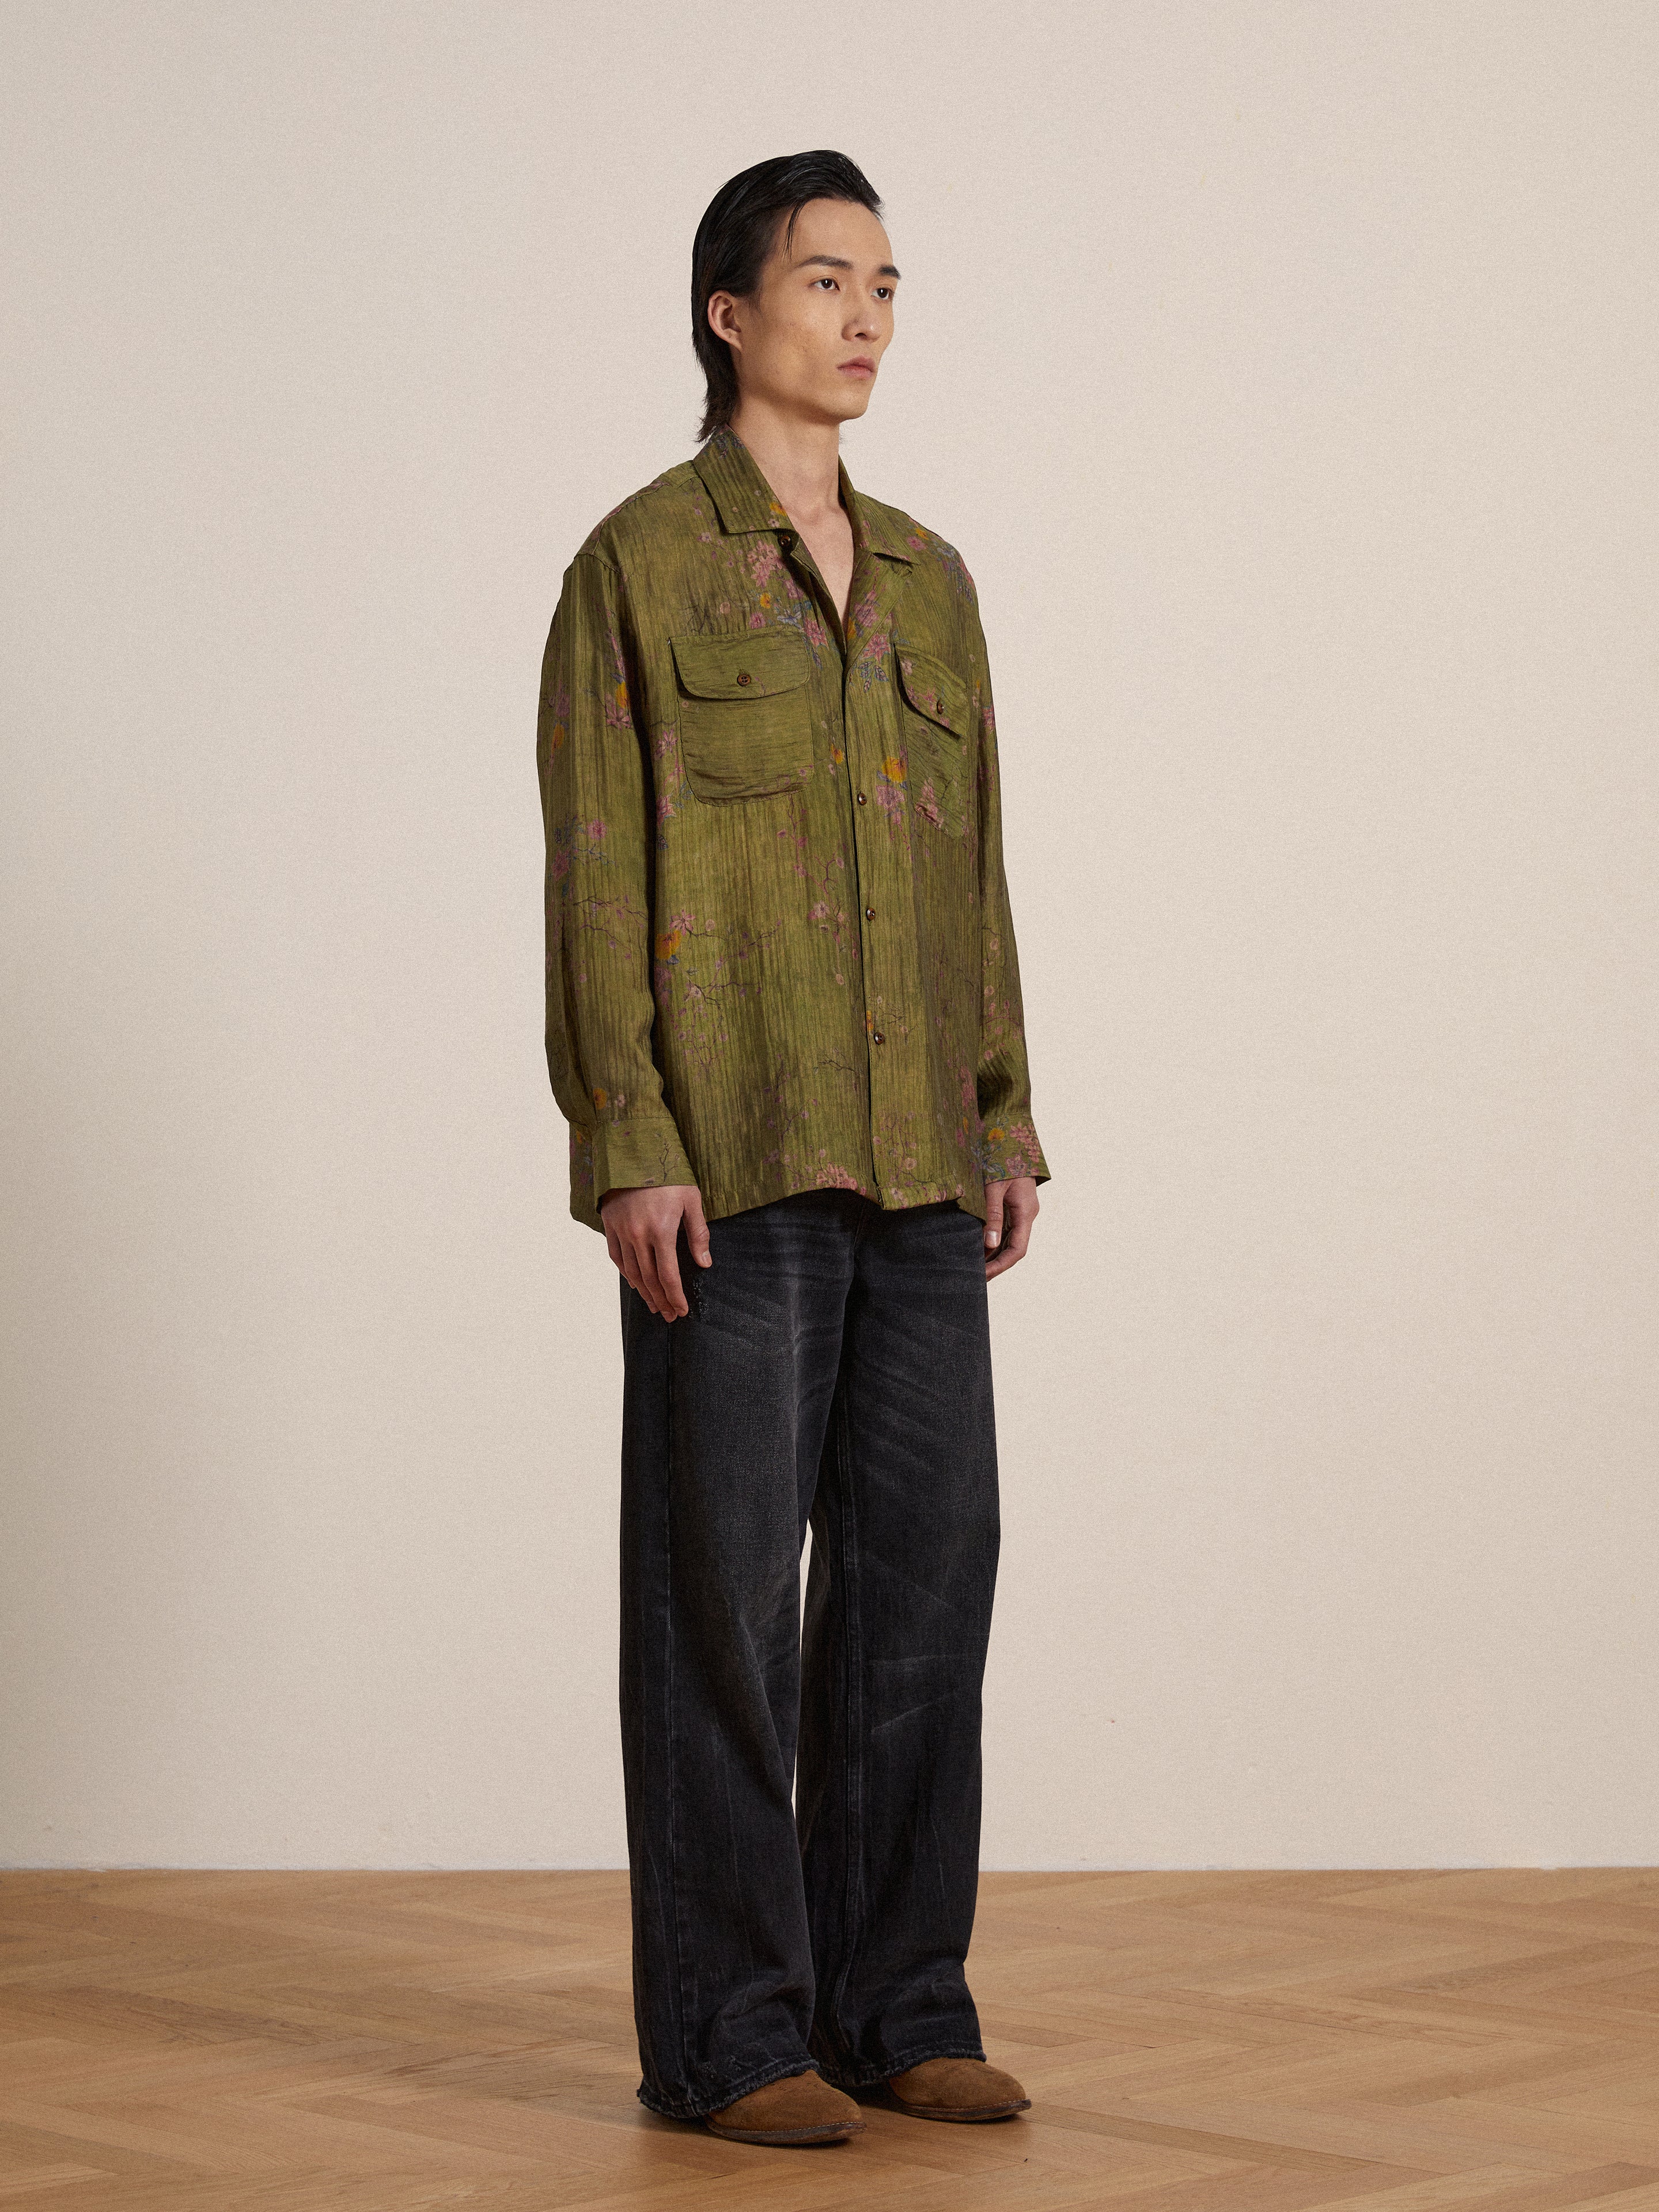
836, 1367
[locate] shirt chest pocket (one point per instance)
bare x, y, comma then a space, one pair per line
940, 761
745, 707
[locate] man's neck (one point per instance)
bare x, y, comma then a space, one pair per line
800, 459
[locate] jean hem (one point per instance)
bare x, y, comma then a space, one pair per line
697, 2109
870, 2077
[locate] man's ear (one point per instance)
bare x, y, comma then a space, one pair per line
723, 319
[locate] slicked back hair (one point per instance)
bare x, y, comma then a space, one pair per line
739, 230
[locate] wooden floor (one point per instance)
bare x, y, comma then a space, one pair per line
1228, 2042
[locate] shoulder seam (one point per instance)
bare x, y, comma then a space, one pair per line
592, 553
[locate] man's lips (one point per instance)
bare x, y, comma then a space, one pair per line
860, 365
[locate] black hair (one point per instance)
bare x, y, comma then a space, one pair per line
738, 232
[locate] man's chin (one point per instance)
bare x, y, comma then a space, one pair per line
852, 399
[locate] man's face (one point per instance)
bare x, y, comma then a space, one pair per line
809, 338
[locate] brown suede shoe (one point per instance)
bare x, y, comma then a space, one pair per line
958, 2089
802, 2108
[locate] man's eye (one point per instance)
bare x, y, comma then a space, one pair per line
825, 280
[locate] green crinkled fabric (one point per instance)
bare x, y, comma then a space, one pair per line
778, 948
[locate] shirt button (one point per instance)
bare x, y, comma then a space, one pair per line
880, 1039
743, 678
870, 913
861, 798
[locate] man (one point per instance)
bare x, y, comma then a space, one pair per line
784, 1024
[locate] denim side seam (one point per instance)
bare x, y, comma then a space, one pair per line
691, 2110
852, 1645
672, 1807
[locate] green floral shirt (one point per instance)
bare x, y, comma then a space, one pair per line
779, 950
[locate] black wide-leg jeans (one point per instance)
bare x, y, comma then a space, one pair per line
834, 1369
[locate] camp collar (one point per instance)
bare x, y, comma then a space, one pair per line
744, 501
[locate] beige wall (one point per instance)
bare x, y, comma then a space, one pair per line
1285, 372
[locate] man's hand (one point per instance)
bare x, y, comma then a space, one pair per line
642, 1227
1010, 1211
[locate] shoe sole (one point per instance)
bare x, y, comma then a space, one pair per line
835, 2131
979, 2112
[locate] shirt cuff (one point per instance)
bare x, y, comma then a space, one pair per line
623, 1155
1007, 1149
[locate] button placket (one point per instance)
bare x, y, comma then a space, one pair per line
866, 742
863, 860
865, 745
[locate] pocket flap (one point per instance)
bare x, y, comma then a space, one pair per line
753, 663
933, 689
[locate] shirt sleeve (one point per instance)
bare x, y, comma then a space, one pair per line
598, 814
1008, 1143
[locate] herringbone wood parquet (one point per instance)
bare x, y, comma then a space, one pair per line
1194, 2043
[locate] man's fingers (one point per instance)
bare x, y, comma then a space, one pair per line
1011, 1248
994, 1223
1014, 1206
647, 1282
629, 1265
697, 1230
667, 1259
635, 1271
642, 1225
